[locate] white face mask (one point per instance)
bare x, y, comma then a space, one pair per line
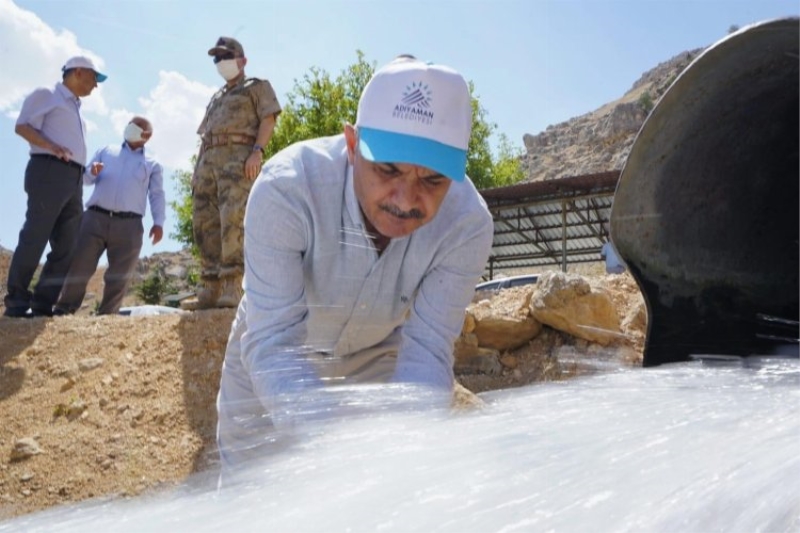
133, 133
228, 69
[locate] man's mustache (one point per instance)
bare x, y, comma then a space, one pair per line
399, 213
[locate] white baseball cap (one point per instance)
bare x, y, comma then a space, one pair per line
83, 62
418, 113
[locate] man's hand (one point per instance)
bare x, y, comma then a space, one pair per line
61, 152
156, 233
252, 167
97, 167
36, 138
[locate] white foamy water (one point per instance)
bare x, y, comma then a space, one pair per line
692, 447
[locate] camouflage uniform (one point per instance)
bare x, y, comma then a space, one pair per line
221, 188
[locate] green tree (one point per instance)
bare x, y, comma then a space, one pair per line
479, 153
182, 207
319, 105
507, 166
153, 288
485, 168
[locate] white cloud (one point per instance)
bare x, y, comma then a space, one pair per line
175, 107
33, 54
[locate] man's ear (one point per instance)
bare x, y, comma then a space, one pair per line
351, 138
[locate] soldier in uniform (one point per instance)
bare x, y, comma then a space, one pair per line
238, 123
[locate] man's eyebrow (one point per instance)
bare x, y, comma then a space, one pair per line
391, 166
433, 176
394, 168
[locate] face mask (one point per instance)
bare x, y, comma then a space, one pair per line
228, 69
133, 133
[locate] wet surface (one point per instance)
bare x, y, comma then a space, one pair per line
697, 446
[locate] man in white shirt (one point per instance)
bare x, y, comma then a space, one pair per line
361, 252
124, 178
50, 120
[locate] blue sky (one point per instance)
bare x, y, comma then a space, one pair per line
534, 62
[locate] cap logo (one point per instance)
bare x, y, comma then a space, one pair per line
415, 104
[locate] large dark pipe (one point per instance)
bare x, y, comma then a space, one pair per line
706, 209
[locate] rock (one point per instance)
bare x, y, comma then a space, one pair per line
463, 398
25, 448
176, 271
506, 333
636, 319
72, 412
465, 346
568, 303
469, 323
598, 141
190, 304
504, 322
68, 384
509, 361
624, 119
485, 361
85, 365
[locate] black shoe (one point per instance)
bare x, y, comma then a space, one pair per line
17, 312
39, 311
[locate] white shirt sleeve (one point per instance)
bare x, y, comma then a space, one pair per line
437, 316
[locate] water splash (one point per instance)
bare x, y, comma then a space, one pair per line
683, 447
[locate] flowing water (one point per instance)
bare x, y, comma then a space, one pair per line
689, 447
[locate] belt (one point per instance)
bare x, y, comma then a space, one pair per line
227, 139
114, 214
73, 164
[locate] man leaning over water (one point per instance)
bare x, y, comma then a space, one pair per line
361, 251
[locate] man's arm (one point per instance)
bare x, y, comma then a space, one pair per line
437, 315
30, 120
94, 168
252, 167
265, 129
273, 349
158, 202
37, 138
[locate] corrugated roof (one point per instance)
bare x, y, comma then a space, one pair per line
550, 223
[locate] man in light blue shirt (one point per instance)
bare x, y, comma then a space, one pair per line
124, 177
613, 264
361, 254
50, 121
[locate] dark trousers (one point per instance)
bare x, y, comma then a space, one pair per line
55, 205
121, 239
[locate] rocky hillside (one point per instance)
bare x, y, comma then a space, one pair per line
601, 140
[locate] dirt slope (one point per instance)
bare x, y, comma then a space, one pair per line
115, 404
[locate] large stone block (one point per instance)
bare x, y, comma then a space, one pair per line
506, 333
568, 303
